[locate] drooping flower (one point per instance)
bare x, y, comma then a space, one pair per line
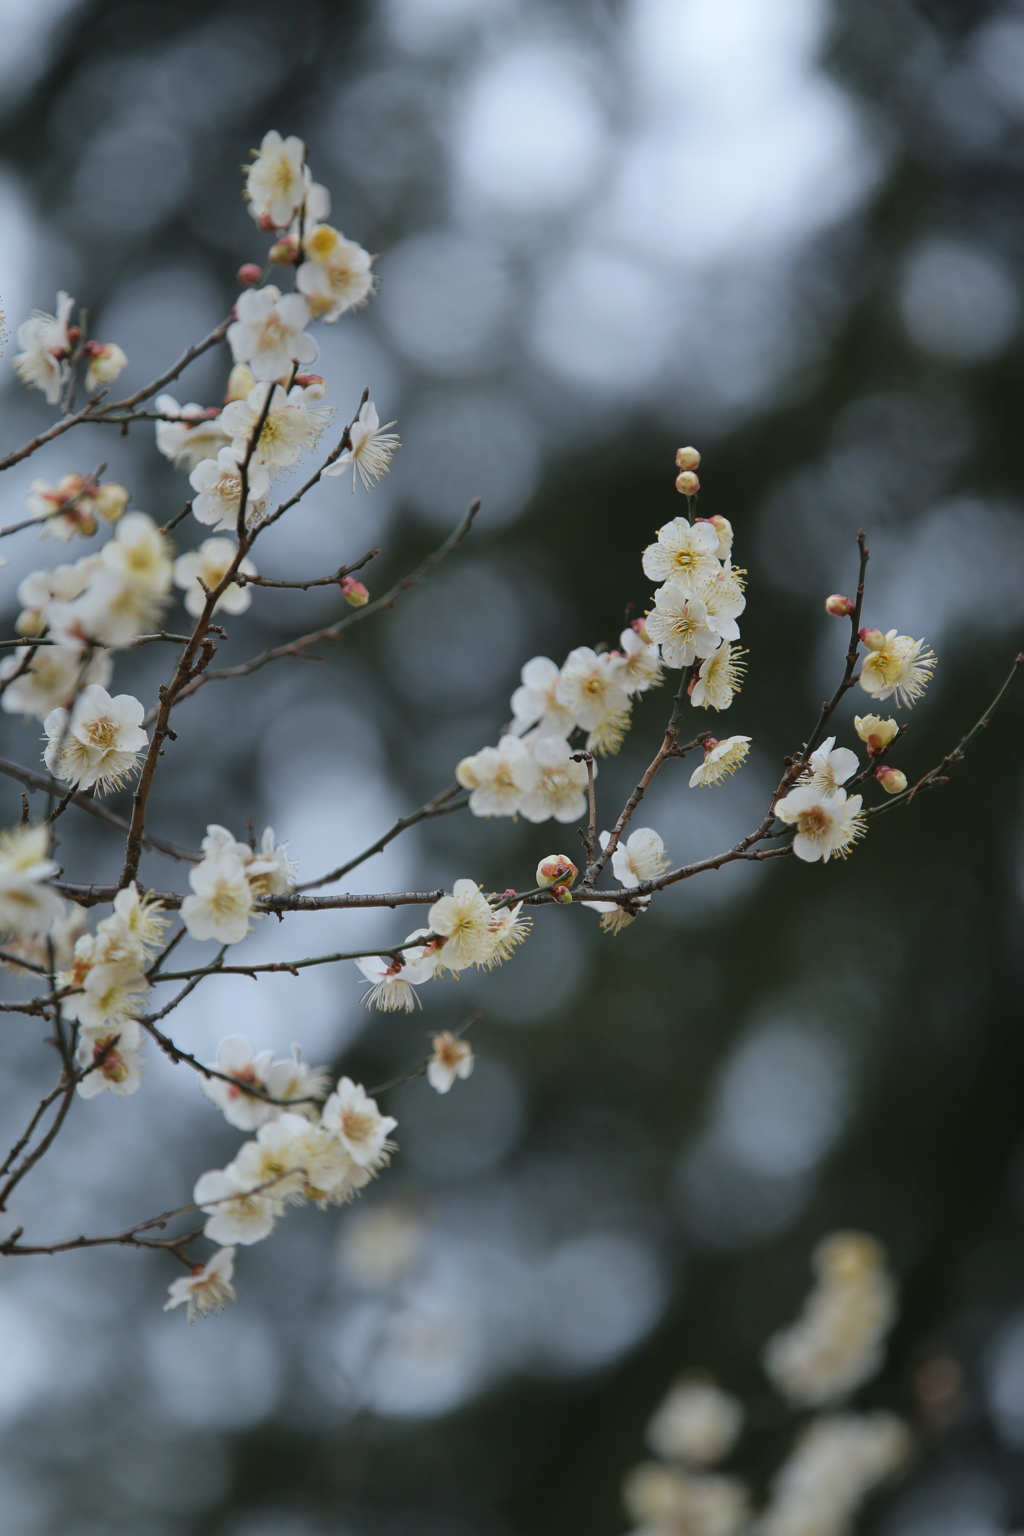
560, 790
270, 332
452, 1059
209, 564
106, 361
336, 275
721, 758
218, 486
683, 552
192, 433
829, 767
535, 702
392, 979
27, 906
292, 425
45, 346
614, 916
464, 921
275, 184
109, 1058
719, 678
51, 679
373, 448
207, 1289
590, 689
509, 929
354, 1117
238, 1212
697, 1423
498, 777
826, 825
99, 743
221, 905
899, 666
640, 857
679, 622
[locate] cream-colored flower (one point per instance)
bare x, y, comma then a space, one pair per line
721, 592
498, 777
536, 703
221, 905
464, 921
51, 679
670, 1502
99, 743
218, 486
697, 1423
561, 787
637, 664
207, 1289
829, 767
641, 856
354, 1117
209, 564
683, 552
191, 434
292, 425
826, 825
590, 688
106, 361
27, 906
719, 678
373, 448
875, 733
452, 1059
721, 758
336, 275
679, 622
109, 1058
45, 346
275, 183
836, 1463
900, 666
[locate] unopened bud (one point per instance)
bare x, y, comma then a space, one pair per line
241, 383
875, 732
561, 893
266, 223
723, 528
249, 273
838, 606
111, 501
639, 627
556, 867
467, 774
355, 592
891, 779
687, 458
285, 252
687, 483
313, 384
74, 333
31, 621
872, 638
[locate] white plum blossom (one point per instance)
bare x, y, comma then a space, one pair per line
875, 733
275, 183
898, 666
373, 448
827, 825
509, 928
99, 743
392, 979
719, 678
126, 590
270, 332
209, 564
292, 425
192, 433
561, 787
295, 1082
637, 665
238, 1212
722, 595
106, 361
590, 689
221, 904
723, 528
679, 623
354, 1117
207, 1289
668, 1501
52, 677
336, 275
40, 589
835, 1465
27, 906
697, 1423
45, 345
109, 1058
683, 553
301, 1160
641, 856
452, 1059
498, 777
237, 1059
64, 509
218, 486
829, 767
112, 991
535, 701
721, 758
463, 919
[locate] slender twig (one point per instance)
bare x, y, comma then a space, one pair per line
242, 580
440, 806
84, 802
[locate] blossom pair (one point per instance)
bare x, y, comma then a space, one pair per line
229, 880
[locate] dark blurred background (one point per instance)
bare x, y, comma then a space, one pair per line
791, 234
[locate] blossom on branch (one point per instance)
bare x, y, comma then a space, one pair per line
637, 664
52, 678
237, 1060
221, 904
45, 346
209, 564
897, 665
336, 275
270, 332
106, 361
829, 767
275, 184
27, 905
498, 777
373, 448
99, 742
560, 790
679, 622
590, 687
464, 921
697, 1423
827, 825
392, 978
875, 733
359, 1124
452, 1059
239, 1212
640, 857
207, 1289
683, 552
721, 758
218, 484
719, 678
292, 425
535, 702
192, 434
109, 1058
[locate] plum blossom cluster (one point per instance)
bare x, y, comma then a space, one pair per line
229, 880
837, 1460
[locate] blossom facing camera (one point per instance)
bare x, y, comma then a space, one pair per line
556, 869
270, 332
687, 483
687, 459
892, 780
99, 743
838, 606
876, 733
207, 1289
354, 592
452, 1059
827, 825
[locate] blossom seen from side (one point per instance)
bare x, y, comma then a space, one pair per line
641, 856
45, 346
510, 927
679, 623
99, 742
27, 905
827, 826
498, 777
683, 552
638, 663
337, 274
248, 1069
237, 1212
372, 448
875, 733
51, 679
721, 758
207, 1289
452, 1059
535, 701
830, 767
270, 333
721, 592
106, 361
900, 667
359, 1124
217, 483
209, 564
723, 528
191, 434
109, 1059
275, 183
561, 787
719, 678
392, 979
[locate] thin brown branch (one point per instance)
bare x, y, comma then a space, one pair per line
84, 802
439, 806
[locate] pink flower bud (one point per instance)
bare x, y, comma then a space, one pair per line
561, 893
266, 223
687, 483
249, 273
284, 252
355, 592
838, 606
709, 744
891, 779
74, 333
304, 380
872, 638
687, 458
639, 627
556, 867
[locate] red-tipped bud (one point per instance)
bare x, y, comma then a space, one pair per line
687, 483
709, 743
687, 458
509, 893
556, 868
249, 273
838, 606
691, 685
355, 592
561, 893
266, 223
74, 333
304, 380
286, 251
891, 779
872, 638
